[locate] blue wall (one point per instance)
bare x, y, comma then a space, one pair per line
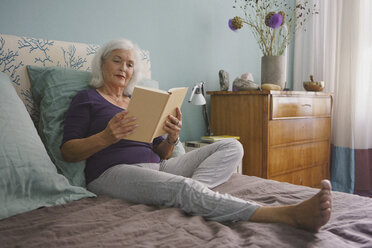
189, 40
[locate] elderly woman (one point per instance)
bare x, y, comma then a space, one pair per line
96, 125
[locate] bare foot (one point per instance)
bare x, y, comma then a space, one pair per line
316, 211
310, 214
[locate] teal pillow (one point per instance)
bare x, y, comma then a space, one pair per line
28, 178
53, 89
178, 149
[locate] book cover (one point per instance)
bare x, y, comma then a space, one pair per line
212, 139
151, 108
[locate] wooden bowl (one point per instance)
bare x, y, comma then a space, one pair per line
314, 85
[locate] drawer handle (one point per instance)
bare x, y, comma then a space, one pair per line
306, 105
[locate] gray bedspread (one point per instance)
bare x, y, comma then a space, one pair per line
108, 222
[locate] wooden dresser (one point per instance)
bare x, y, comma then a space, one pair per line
285, 134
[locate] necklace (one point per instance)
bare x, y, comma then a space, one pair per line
114, 98
120, 101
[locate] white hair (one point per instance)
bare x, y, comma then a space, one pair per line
102, 54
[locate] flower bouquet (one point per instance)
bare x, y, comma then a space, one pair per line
273, 22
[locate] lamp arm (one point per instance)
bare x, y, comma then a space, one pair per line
205, 110
202, 88
193, 92
206, 119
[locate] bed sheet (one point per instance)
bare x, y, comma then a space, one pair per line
108, 222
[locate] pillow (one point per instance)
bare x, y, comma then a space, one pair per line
178, 150
53, 89
28, 178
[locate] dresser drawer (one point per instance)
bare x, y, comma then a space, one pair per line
309, 177
285, 131
300, 106
283, 159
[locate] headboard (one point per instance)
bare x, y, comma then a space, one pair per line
17, 52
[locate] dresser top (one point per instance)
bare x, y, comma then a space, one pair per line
270, 92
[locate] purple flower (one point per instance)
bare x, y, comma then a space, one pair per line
275, 21
235, 23
231, 25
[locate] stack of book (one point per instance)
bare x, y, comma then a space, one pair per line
212, 139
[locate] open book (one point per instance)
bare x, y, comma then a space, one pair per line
151, 108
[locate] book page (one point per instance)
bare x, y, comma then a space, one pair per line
176, 97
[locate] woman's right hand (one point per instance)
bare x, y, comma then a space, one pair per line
119, 127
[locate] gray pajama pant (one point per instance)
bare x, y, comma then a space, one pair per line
182, 182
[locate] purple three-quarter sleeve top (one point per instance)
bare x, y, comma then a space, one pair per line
88, 114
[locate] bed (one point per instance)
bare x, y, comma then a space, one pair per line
43, 202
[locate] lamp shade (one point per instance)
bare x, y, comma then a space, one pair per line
198, 99
197, 95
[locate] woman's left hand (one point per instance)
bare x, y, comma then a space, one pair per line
173, 126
